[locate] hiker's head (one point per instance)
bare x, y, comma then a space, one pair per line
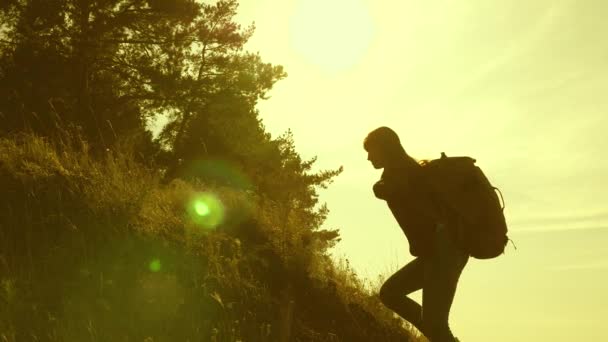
383, 147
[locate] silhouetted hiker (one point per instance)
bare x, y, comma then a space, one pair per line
439, 260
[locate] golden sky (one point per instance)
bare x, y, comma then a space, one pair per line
518, 85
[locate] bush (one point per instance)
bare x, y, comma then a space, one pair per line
100, 249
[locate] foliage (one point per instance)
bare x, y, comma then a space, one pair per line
99, 234
80, 236
108, 66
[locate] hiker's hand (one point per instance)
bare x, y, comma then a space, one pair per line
380, 189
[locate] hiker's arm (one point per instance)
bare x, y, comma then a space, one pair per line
388, 188
380, 190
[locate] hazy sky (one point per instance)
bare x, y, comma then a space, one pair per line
519, 85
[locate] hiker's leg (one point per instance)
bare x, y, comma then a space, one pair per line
441, 278
405, 281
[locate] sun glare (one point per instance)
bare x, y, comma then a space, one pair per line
334, 34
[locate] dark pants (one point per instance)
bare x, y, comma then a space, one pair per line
437, 275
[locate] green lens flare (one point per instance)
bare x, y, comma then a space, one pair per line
154, 265
201, 208
207, 210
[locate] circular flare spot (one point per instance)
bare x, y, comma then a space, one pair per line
154, 265
201, 208
207, 210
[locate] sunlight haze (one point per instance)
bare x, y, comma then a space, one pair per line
519, 86
331, 44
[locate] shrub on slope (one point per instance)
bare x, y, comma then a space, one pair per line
100, 250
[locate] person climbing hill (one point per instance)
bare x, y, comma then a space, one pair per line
431, 231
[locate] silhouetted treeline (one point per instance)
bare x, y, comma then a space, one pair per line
89, 194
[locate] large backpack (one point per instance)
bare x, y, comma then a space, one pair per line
467, 194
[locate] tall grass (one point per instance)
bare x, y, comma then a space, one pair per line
99, 249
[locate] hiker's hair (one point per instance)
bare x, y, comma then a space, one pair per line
387, 140
384, 138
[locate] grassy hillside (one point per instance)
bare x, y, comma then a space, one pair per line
102, 250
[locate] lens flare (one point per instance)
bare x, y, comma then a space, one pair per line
207, 210
154, 265
201, 208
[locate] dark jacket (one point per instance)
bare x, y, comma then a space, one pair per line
412, 204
